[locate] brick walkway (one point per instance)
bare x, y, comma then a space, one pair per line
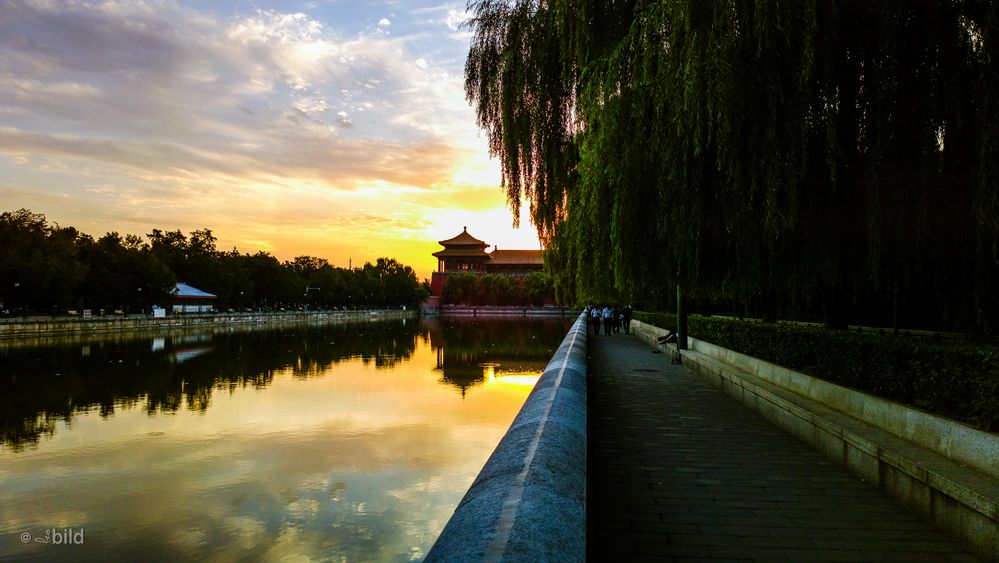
680, 471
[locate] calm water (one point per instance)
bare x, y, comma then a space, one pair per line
342, 442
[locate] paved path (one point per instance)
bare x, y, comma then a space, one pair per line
680, 471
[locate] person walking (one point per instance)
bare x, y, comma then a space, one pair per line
616, 321
626, 319
595, 319
608, 319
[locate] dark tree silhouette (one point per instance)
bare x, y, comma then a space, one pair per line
47, 269
833, 160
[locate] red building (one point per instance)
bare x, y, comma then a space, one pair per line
465, 253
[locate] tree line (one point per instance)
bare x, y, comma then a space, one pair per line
465, 288
39, 390
49, 269
832, 160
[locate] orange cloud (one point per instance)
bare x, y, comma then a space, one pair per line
277, 130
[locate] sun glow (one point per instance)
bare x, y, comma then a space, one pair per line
516, 379
493, 226
476, 169
285, 131
492, 376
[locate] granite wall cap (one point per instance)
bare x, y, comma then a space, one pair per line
528, 502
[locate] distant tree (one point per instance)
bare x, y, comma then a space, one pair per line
170, 248
270, 284
47, 268
202, 241
400, 284
40, 267
537, 286
308, 265
495, 289
460, 288
122, 274
22, 235
370, 283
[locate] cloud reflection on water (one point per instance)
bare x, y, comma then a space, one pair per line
354, 459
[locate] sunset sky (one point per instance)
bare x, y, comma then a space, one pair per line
334, 128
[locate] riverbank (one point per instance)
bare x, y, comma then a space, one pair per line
503, 311
42, 327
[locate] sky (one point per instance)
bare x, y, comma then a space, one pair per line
331, 128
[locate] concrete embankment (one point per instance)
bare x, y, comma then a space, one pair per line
943, 470
20, 328
529, 501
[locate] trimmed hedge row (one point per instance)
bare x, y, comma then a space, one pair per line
956, 379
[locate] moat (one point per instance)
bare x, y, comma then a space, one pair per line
338, 442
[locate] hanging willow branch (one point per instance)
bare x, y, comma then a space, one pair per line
824, 158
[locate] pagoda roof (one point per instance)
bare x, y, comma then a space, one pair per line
185, 291
461, 253
516, 257
463, 238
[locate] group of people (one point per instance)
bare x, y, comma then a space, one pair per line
612, 318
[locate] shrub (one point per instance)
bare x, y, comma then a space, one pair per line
956, 379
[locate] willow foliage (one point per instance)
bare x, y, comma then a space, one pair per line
822, 158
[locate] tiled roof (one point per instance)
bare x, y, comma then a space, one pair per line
463, 238
460, 252
184, 290
516, 257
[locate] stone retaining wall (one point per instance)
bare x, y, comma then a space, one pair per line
529, 501
503, 310
943, 470
53, 327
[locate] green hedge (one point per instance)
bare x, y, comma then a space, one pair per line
956, 379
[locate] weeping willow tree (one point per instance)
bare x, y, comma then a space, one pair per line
819, 159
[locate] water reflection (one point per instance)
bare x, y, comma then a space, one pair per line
339, 442
42, 386
473, 350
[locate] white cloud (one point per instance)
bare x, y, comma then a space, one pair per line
169, 88
452, 14
384, 22
166, 107
311, 104
455, 18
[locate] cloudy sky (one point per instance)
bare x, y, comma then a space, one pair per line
335, 128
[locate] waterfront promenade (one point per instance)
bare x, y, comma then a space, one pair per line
678, 471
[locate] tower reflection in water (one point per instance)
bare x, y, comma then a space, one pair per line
477, 351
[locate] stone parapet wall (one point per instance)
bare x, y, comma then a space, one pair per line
529, 501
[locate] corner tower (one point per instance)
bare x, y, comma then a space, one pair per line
463, 253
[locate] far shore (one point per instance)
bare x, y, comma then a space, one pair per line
43, 326
500, 310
